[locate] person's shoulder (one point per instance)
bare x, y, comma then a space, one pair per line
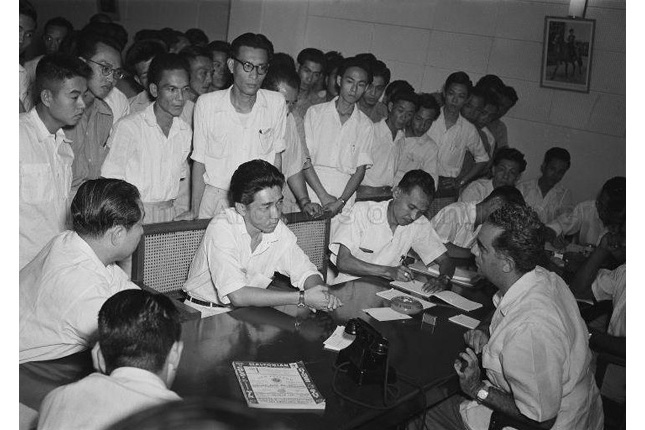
526, 185
213, 100
319, 108
362, 119
272, 97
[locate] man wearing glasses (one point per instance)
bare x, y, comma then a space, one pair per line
236, 125
90, 134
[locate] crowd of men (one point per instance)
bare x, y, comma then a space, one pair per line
176, 128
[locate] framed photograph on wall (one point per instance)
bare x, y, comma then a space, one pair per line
109, 7
566, 53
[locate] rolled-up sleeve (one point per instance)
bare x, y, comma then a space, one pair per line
476, 147
348, 232
428, 244
295, 264
223, 261
121, 143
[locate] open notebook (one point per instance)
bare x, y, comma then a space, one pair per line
447, 296
463, 277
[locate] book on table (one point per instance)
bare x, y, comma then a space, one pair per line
278, 386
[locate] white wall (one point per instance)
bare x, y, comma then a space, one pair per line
425, 40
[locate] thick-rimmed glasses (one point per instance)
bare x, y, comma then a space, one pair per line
248, 67
109, 70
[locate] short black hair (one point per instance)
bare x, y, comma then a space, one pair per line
522, 238
113, 31
398, 85
220, 46
427, 101
460, 78
611, 201
507, 194
252, 40
252, 177
407, 96
333, 60
53, 69
418, 178
88, 41
137, 329
282, 59
490, 82
59, 21
197, 37
355, 62
281, 74
478, 92
557, 153
511, 154
165, 62
100, 18
191, 53
27, 9
380, 69
312, 54
509, 93
101, 204
142, 51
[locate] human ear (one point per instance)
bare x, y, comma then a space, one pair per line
98, 360
46, 96
240, 208
154, 90
230, 63
116, 234
338, 80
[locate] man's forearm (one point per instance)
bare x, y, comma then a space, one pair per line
198, 186
584, 277
347, 263
312, 281
251, 296
501, 401
446, 265
353, 183
314, 182
297, 184
455, 251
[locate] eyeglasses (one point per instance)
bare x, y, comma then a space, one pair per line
248, 67
108, 70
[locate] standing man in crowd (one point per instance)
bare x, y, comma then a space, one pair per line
311, 63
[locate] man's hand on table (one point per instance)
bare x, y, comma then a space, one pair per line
476, 339
434, 285
399, 273
470, 378
319, 298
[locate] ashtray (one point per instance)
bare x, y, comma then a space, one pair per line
406, 305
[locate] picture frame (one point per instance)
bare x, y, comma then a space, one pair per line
109, 7
567, 51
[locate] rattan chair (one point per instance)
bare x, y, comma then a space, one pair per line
312, 236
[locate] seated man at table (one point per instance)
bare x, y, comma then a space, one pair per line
508, 165
137, 355
245, 245
535, 353
65, 285
458, 223
374, 237
591, 219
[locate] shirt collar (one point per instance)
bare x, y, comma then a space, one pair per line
41, 129
260, 100
138, 375
518, 290
151, 119
240, 226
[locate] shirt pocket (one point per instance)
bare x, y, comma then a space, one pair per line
266, 136
35, 183
218, 143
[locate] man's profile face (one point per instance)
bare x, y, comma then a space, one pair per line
171, 90
201, 72
141, 72
248, 83
489, 262
473, 109
66, 104
422, 120
506, 172
264, 213
220, 71
330, 83
53, 37
106, 56
309, 73
27, 26
352, 84
400, 114
553, 171
374, 91
409, 206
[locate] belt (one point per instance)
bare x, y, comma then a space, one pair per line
203, 302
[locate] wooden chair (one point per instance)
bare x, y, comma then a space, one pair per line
312, 235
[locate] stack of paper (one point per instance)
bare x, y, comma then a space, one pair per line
339, 339
386, 314
465, 321
461, 277
447, 296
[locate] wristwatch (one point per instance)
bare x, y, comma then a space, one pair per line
445, 279
301, 299
482, 394
342, 200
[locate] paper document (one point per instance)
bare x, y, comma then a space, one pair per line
386, 314
392, 293
447, 296
464, 277
465, 321
339, 339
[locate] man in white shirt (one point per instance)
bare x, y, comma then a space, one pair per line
546, 195
45, 161
65, 285
458, 223
417, 150
311, 63
370, 104
374, 237
339, 138
508, 165
245, 245
27, 17
591, 219
388, 136
535, 352
201, 70
136, 358
150, 148
236, 125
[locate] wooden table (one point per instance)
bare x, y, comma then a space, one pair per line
421, 352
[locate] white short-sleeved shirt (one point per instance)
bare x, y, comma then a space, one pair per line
453, 144
293, 157
583, 220
538, 351
611, 285
384, 151
45, 181
24, 88
61, 292
477, 191
366, 232
456, 224
98, 400
336, 149
119, 104
143, 100
556, 202
221, 142
224, 262
417, 153
142, 155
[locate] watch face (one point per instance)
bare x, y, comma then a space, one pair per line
482, 394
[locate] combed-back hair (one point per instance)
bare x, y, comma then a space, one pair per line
427, 101
460, 78
111, 30
54, 69
137, 329
557, 153
220, 46
164, 62
142, 51
197, 37
101, 204
252, 177
281, 74
418, 178
522, 238
507, 194
380, 69
408, 96
333, 60
356, 62
27, 9
510, 154
488, 82
252, 40
395, 86
281, 59
88, 41
312, 54
509, 92
59, 21
191, 53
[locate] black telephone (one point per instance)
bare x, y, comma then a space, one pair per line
366, 357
